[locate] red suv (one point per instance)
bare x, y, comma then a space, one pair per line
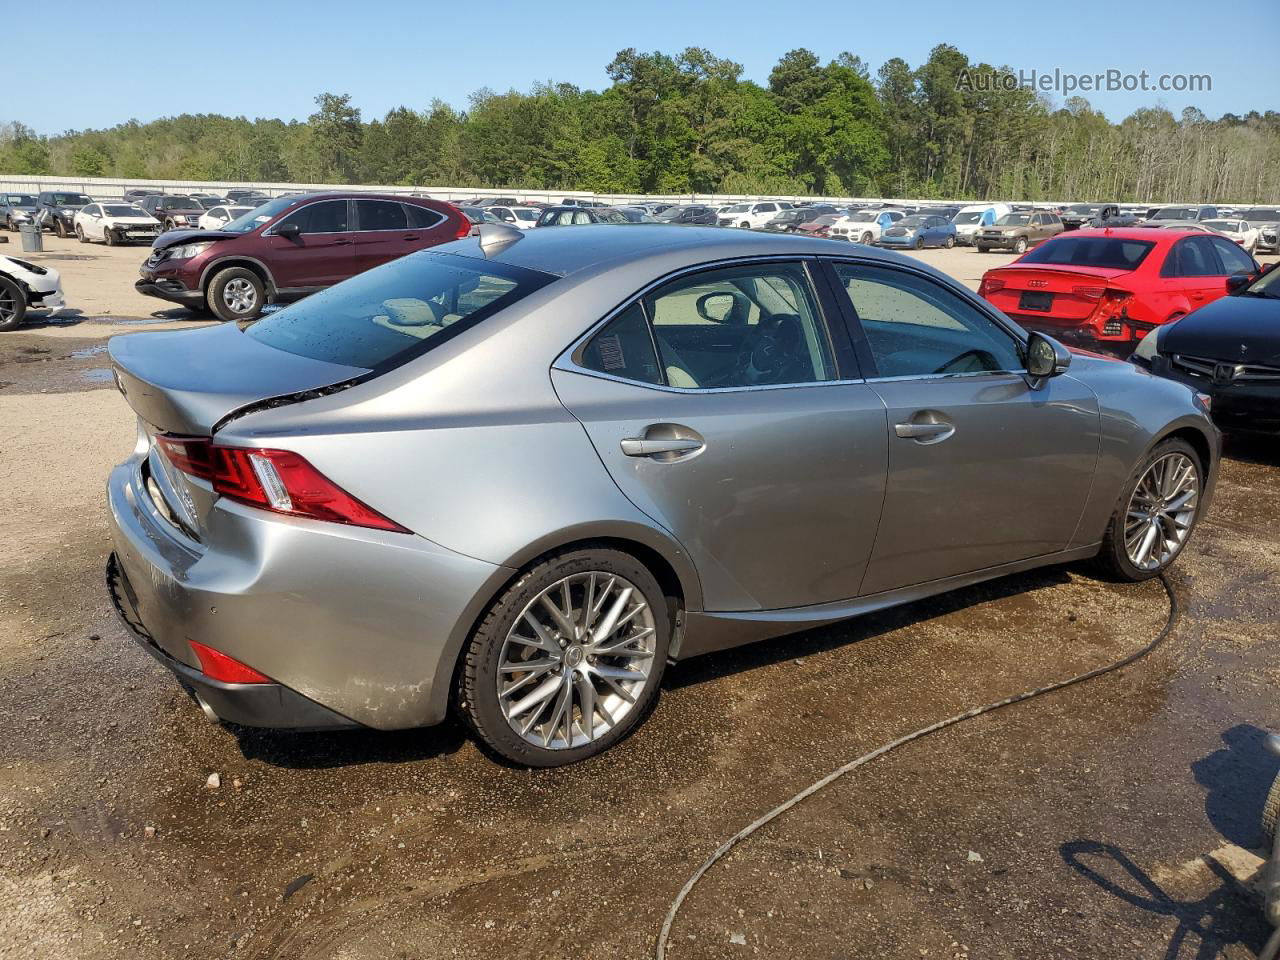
292, 246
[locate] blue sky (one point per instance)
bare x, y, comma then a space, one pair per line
279, 54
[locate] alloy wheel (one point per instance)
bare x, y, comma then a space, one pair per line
577, 660
1161, 511
239, 295
8, 304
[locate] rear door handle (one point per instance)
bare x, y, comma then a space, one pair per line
641, 447
924, 431
411, 236
342, 242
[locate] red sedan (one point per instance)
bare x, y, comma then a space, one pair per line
1114, 285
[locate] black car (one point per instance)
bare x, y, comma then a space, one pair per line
137, 193
692, 213
788, 221
573, 215
1229, 349
246, 198
56, 210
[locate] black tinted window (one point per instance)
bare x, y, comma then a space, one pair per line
421, 217
394, 311
1192, 257
327, 216
380, 215
1110, 252
624, 348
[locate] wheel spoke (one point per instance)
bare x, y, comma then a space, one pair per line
1148, 541
552, 689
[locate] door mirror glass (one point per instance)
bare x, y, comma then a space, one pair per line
1046, 357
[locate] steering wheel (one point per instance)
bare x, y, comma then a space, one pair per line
985, 359
773, 351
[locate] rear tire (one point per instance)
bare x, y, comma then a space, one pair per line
13, 305
1271, 813
1114, 559
236, 294
488, 658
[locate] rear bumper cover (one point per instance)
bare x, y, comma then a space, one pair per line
365, 624
247, 704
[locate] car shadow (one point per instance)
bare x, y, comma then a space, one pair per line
301, 750
714, 666
1237, 778
1222, 918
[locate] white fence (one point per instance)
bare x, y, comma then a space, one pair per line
104, 188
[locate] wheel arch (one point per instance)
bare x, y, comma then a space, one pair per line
664, 558
233, 260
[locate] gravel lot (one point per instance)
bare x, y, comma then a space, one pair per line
1116, 819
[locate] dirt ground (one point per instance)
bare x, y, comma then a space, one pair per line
1115, 819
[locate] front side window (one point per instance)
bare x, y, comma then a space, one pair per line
395, 311
743, 326
1234, 260
326, 216
916, 327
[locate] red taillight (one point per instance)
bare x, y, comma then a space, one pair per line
464, 228
218, 666
277, 480
990, 285
1092, 292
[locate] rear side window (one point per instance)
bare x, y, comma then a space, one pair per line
380, 215
1109, 252
421, 217
395, 312
624, 349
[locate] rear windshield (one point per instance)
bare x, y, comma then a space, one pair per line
123, 210
1110, 252
1175, 213
393, 312
71, 200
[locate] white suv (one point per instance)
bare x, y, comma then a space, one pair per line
752, 215
865, 226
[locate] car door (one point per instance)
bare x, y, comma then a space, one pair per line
984, 469
1193, 272
769, 469
322, 253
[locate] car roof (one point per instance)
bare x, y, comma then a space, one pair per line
563, 252
1154, 234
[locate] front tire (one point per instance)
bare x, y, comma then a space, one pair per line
568, 660
13, 305
982, 249
80, 234
1156, 515
110, 237
950, 242
236, 294
1020, 245
919, 243
60, 228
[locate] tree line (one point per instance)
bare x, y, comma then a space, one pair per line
691, 123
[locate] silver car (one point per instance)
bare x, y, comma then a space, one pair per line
520, 473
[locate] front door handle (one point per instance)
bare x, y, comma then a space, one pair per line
641, 447
925, 431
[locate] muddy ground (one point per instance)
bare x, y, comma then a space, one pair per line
1115, 819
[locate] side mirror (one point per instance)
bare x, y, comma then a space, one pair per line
1238, 282
290, 231
1046, 357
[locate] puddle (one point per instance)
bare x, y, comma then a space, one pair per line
140, 321
89, 351
97, 375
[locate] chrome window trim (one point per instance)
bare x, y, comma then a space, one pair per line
566, 362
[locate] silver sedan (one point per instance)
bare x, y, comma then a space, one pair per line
519, 474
